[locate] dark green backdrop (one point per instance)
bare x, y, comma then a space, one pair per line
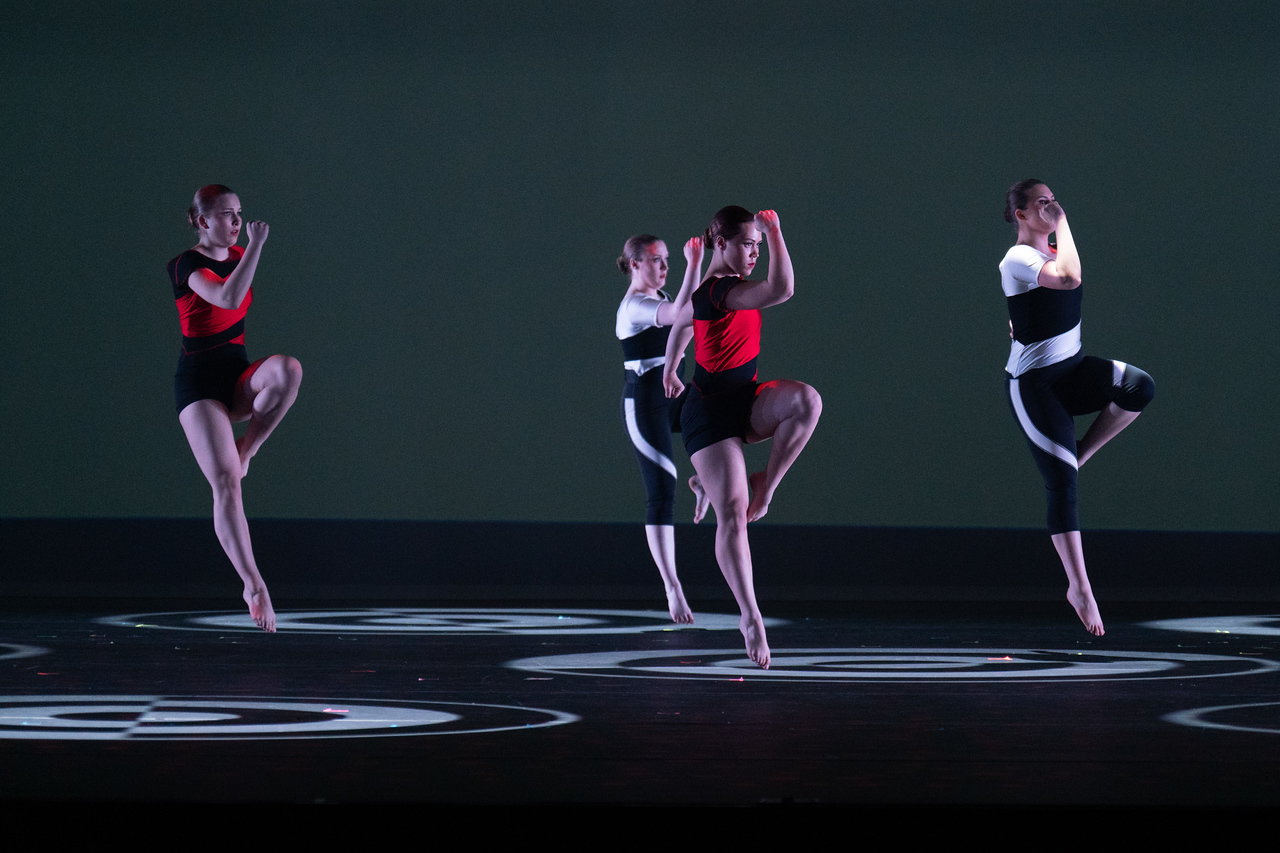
448, 184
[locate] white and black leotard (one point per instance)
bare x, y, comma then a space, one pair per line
1050, 381
650, 417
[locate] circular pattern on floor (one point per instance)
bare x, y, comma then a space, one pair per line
146, 718
11, 651
1264, 626
870, 664
1262, 717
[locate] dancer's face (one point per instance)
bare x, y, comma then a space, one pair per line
222, 223
650, 269
1040, 197
741, 252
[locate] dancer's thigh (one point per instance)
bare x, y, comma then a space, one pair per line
723, 472
775, 402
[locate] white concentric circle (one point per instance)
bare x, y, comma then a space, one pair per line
1257, 626
239, 718
448, 621
10, 651
1260, 717
955, 664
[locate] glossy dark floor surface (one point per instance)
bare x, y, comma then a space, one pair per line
940, 703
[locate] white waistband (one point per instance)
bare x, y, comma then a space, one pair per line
1043, 353
641, 366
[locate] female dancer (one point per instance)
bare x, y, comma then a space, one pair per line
644, 320
1051, 381
725, 404
215, 384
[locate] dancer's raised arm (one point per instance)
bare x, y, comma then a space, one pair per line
781, 283
1062, 273
1041, 216
230, 292
694, 249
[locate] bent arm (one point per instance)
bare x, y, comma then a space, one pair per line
693, 254
781, 283
677, 342
1063, 272
229, 292
666, 314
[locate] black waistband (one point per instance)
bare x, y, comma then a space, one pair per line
723, 380
191, 346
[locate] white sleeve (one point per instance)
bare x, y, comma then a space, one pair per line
1020, 269
637, 313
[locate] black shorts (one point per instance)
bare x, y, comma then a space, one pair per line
210, 375
706, 420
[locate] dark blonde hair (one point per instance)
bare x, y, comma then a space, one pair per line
632, 249
202, 204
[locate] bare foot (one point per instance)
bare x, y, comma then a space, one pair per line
260, 609
242, 447
1086, 609
702, 504
757, 645
678, 607
759, 500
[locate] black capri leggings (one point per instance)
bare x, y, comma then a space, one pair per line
1045, 402
650, 418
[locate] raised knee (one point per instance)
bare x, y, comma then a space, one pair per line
807, 404
281, 372
290, 371
1137, 389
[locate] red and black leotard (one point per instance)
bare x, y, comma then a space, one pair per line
726, 341
213, 357
205, 325
726, 346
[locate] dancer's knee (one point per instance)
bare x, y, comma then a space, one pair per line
661, 511
1064, 511
225, 485
1136, 389
731, 516
660, 491
807, 404
289, 372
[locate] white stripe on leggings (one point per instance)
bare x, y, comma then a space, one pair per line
647, 450
1039, 439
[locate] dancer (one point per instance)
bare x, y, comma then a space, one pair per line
644, 320
1051, 381
726, 406
215, 384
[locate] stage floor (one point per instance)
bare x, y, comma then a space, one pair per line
885, 704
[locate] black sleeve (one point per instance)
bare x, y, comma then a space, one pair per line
179, 271
719, 291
